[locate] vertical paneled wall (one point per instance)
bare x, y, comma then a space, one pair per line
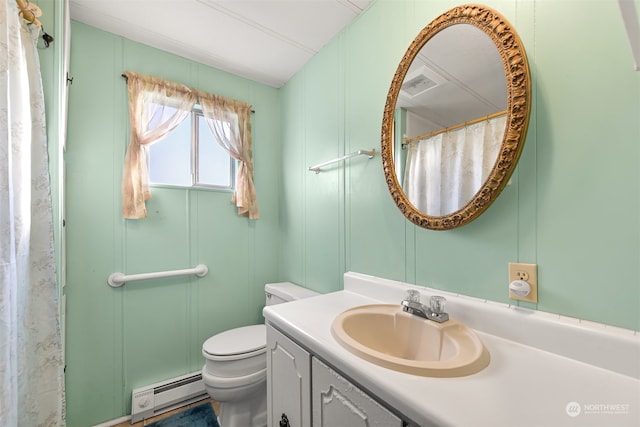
144, 332
573, 204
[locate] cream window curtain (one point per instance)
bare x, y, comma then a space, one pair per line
156, 107
445, 171
230, 122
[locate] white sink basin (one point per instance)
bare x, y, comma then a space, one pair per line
387, 336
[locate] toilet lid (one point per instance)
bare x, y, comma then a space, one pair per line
242, 340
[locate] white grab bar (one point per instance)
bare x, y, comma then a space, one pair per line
115, 280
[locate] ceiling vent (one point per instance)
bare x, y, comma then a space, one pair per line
420, 80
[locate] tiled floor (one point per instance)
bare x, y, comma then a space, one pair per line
216, 408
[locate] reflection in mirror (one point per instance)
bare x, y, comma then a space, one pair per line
456, 117
455, 97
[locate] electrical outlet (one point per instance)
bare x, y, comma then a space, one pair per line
528, 273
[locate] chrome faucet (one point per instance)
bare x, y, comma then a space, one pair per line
435, 311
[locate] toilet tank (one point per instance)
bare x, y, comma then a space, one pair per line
277, 293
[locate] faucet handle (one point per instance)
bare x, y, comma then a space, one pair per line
437, 303
412, 295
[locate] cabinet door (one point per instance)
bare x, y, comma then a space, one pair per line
288, 381
337, 402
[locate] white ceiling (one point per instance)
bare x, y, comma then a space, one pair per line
267, 41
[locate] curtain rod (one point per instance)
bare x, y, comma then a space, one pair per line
124, 76
30, 12
407, 141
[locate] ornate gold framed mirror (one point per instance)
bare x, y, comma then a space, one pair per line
456, 117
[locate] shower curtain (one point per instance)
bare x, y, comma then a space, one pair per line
444, 172
31, 363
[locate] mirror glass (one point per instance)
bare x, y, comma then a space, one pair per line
447, 102
456, 117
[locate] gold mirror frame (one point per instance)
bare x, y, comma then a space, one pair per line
518, 81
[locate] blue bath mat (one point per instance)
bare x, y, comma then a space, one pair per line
197, 416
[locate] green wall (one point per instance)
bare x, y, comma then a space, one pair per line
573, 204
144, 332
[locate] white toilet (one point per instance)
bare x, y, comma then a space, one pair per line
235, 369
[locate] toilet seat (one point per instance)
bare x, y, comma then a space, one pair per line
239, 343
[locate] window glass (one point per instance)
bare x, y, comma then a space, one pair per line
215, 165
170, 158
189, 155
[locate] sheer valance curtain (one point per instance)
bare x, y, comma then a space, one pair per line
151, 121
444, 172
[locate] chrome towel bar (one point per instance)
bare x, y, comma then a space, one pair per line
370, 153
116, 280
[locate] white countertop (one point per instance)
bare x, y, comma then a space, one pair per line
522, 386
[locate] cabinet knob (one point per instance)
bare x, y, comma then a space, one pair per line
284, 421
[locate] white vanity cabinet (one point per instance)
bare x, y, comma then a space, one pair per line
297, 381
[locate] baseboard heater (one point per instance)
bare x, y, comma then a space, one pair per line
164, 396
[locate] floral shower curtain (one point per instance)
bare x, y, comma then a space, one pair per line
444, 172
31, 363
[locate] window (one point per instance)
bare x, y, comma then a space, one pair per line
157, 108
190, 156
